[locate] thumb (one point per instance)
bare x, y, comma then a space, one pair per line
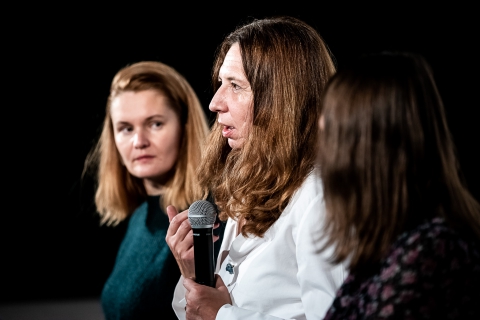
219, 284
171, 212
189, 283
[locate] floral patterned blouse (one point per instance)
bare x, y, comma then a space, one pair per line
431, 272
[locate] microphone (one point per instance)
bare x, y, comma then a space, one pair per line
201, 215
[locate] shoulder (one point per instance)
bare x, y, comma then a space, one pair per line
139, 214
434, 238
432, 253
431, 271
311, 190
305, 212
142, 208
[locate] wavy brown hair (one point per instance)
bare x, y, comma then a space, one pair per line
118, 192
388, 161
287, 64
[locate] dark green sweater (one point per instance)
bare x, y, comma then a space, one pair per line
145, 274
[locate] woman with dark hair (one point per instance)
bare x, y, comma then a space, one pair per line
397, 209
146, 159
259, 165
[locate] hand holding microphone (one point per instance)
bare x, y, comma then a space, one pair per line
202, 215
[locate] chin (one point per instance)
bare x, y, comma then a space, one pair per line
234, 144
146, 174
141, 175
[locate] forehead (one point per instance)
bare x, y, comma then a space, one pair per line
232, 65
140, 103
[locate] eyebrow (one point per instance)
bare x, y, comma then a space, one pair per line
147, 119
155, 116
230, 74
233, 78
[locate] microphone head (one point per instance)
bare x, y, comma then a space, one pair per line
202, 214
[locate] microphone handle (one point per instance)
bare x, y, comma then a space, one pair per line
203, 256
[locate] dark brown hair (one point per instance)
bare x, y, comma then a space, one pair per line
387, 157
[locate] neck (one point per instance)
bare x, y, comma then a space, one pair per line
153, 188
240, 224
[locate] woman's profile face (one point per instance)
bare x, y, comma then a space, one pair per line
234, 99
147, 134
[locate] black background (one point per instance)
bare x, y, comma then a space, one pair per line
58, 64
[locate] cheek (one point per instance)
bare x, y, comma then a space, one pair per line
174, 153
245, 118
122, 147
172, 147
176, 145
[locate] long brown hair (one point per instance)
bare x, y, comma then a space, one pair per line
287, 64
387, 157
118, 192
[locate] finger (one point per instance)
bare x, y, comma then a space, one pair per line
171, 212
176, 221
189, 284
181, 244
185, 233
185, 247
220, 285
219, 281
179, 236
180, 217
216, 233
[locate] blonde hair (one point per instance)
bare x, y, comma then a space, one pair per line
119, 193
287, 65
387, 158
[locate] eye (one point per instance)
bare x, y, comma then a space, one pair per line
157, 124
125, 129
235, 86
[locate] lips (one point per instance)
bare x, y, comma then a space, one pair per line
227, 131
144, 157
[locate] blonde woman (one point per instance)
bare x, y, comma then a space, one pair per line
146, 159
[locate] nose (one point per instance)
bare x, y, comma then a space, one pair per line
140, 140
321, 122
218, 103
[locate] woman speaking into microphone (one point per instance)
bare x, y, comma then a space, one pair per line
259, 167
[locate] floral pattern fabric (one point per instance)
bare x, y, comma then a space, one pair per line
431, 272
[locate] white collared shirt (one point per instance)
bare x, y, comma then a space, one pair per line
282, 275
